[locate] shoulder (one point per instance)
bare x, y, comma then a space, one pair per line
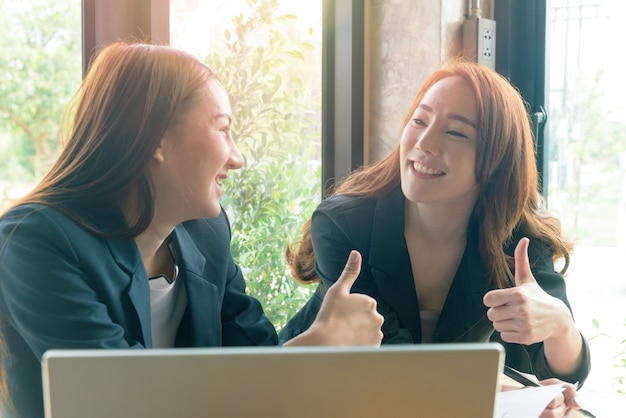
209, 235
342, 203
358, 218
56, 242
19, 213
357, 206
37, 217
539, 250
342, 212
217, 226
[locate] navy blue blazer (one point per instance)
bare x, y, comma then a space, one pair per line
375, 227
63, 287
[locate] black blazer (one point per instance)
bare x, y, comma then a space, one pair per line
63, 287
375, 227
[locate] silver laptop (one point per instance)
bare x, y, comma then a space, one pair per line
434, 380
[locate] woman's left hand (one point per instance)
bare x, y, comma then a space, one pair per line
526, 314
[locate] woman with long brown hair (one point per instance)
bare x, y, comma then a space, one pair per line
455, 242
124, 243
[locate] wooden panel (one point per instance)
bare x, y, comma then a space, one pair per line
105, 21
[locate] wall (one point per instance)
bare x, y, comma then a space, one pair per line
405, 41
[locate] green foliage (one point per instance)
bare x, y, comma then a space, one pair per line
587, 146
265, 66
614, 339
41, 68
620, 367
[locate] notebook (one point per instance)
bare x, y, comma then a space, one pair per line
431, 380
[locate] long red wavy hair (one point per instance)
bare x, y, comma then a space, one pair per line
506, 173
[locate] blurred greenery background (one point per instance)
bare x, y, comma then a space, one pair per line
271, 66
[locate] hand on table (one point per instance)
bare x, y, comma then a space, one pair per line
564, 404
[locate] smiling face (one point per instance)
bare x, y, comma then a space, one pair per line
438, 146
194, 158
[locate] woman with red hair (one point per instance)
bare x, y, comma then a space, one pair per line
456, 244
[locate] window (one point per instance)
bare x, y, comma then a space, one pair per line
40, 59
268, 56
586, 185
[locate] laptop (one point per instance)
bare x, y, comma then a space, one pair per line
431, 380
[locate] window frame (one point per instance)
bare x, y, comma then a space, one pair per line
105, 21
343, 117
343, 30
521, 56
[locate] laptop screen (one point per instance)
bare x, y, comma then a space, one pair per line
395, 380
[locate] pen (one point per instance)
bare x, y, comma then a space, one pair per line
520, 378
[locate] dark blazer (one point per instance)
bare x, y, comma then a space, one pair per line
63, 287
375, 227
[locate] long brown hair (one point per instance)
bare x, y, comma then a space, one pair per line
506, 174
132, 93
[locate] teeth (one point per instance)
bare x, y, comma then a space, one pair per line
219, 182
426, 170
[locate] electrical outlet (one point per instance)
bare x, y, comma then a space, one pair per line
479, 40
487, 50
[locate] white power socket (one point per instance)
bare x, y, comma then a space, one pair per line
479, 40
487, 50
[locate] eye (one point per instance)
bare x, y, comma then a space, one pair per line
457, 134
417, 122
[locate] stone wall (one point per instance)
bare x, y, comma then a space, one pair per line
404, 42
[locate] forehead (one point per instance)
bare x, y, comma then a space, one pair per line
452, 94
450, 91
214, 99
211, 105
217, 93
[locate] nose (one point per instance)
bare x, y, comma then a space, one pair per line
235, 159
427, 140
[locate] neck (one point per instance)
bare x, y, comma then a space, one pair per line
155, 254
152, 245
150, 240
437, 223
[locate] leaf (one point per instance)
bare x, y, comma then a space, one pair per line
296, 54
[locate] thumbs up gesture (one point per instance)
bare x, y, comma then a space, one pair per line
526, 314
345, 318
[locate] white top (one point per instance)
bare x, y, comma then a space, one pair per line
167, 306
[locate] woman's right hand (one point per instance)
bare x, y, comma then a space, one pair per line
344, 318
562, 406
564, 403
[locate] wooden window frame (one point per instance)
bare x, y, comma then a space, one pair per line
104, 21
521, 57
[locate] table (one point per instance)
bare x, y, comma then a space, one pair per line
601, 403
